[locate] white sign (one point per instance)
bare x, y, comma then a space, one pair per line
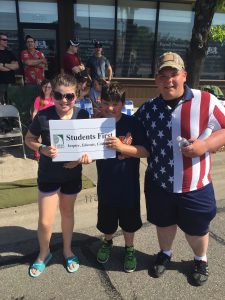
73, 138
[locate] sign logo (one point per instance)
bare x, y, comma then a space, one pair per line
58, 140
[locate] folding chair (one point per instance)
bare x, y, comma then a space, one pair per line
10, 128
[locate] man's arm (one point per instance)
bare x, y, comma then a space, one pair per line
35, 62
78, 69
12, 66
213, 143
109, 73
89, 73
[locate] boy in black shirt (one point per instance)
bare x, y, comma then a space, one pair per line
118, 180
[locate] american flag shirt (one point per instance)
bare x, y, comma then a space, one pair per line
195, 111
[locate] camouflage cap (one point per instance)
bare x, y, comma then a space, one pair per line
170, 59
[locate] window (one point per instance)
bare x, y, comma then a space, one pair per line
8, 23
175, 28
38, 11
214, 65
135, 37
94, 22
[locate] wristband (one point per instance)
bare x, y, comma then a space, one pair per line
4, 65
41, 147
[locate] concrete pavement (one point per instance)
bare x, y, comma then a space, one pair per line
18, 248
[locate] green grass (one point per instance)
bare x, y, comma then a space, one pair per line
23, 192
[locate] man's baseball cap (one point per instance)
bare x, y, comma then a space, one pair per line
98, 45
170, 59
73, 43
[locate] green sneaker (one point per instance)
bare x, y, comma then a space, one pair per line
104, 252
130, 261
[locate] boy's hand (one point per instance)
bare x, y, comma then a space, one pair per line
85, 159
114, 143
196, 148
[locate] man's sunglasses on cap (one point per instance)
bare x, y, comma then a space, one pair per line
58, 96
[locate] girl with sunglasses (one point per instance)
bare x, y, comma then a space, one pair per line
56, 182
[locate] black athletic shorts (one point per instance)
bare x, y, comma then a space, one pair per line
129, 219
68, 188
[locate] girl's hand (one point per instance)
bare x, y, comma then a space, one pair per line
50, 151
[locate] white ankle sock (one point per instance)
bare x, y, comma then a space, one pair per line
167, 252
203, 258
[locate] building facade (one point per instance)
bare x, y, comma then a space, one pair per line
133, 32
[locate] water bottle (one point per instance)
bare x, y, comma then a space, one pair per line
206, 133
88, 106
182, 142
77, 104
129, 107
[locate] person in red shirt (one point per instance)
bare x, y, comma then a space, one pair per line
34, 63
72, 63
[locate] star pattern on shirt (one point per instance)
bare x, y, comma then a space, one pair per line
156, 118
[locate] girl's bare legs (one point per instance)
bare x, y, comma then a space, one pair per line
66, 206
47, 205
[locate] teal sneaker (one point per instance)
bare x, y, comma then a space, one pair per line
130, 261
104, 252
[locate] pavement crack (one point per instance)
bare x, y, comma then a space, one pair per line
217, 238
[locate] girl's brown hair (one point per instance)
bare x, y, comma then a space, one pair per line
42, 95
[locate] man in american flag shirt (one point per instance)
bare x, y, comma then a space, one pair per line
178, 187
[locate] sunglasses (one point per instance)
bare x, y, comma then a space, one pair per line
69, 96
5, 40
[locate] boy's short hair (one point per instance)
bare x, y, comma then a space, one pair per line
113, 92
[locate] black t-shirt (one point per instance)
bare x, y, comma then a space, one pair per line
49, 171
7, 57
118, 180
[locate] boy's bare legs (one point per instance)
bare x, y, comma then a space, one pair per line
47, 205
108, 237
199, 244
129, 238
166, 236
66, 206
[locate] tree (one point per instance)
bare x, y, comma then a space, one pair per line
204, 12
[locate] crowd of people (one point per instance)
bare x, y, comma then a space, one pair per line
35, 66
178, 187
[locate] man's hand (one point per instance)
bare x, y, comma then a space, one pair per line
195, 149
